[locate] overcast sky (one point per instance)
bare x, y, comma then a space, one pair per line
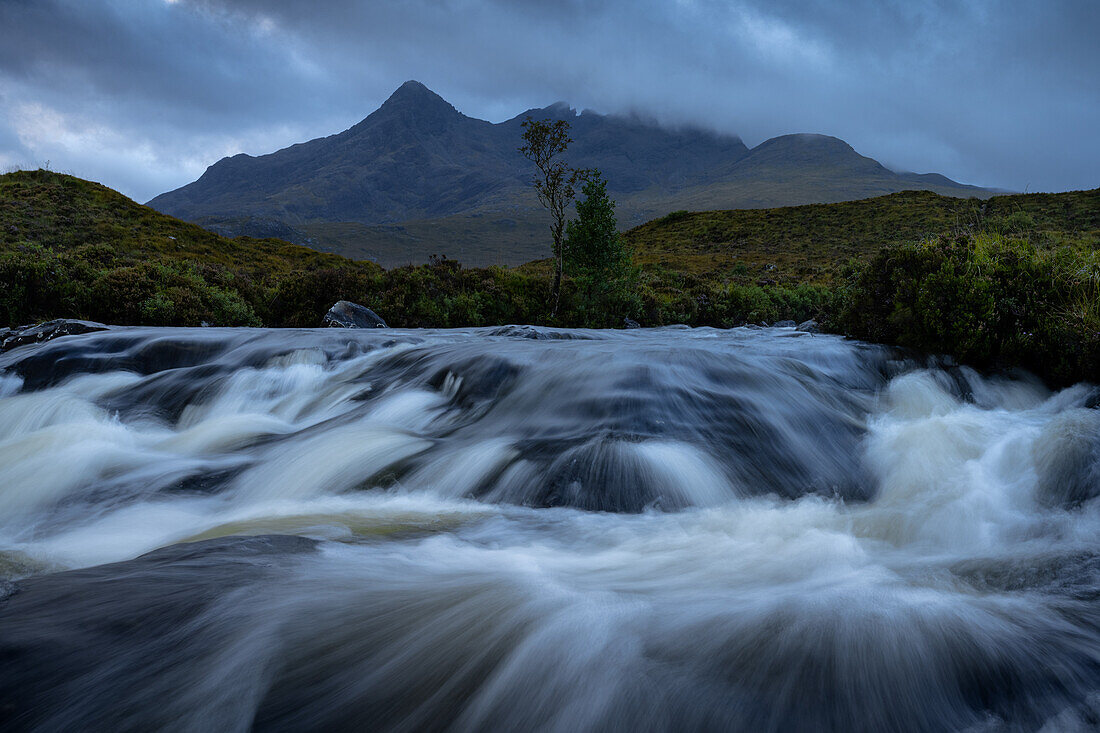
143, 95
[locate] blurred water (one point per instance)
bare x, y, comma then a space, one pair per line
537, 529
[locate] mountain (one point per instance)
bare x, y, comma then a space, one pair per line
417, 177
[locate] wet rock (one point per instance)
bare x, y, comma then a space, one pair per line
56, 630
345, 314
540, 334
1067, 459
784, 324
13, 337
631, 323
809, 326
523, 332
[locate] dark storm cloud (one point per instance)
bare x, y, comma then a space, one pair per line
144, 95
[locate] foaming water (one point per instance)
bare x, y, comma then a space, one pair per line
541, 529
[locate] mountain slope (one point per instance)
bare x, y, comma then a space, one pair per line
415, 156
417, 177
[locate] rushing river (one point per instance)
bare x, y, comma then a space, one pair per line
528, 529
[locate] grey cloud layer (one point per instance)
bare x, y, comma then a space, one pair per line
143, 95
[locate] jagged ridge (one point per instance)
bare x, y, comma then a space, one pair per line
419, 163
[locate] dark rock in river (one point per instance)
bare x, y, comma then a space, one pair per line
631, 323
346, 314
56, 630
11, 338
1067, 459
540, 334
809, 326
784, 324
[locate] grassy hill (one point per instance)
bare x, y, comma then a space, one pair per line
814, 243
73, 248
65, 214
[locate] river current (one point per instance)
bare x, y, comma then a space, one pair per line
537, 529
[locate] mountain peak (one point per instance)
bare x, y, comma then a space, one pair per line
414, 94
806, 150
412, 86
806, 140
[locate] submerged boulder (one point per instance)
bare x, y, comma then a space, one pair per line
33, 334
346, 314
536, 333
1067, 459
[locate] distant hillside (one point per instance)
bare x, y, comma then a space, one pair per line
812, 243
417, 178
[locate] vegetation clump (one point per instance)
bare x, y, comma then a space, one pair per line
599, 262
991, 298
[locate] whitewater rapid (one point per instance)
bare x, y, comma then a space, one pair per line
521, 528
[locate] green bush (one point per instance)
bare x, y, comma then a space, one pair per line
36, 284
152, 294
986, 299
301, 299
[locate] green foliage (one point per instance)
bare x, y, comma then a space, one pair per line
987, 299
34, 285
544, 141
812, 243
300, 299
598, 261
72, 248
594, 247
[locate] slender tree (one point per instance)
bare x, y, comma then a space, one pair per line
555, 183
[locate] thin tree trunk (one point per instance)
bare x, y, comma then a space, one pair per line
557, 287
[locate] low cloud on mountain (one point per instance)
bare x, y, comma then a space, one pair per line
145, 95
